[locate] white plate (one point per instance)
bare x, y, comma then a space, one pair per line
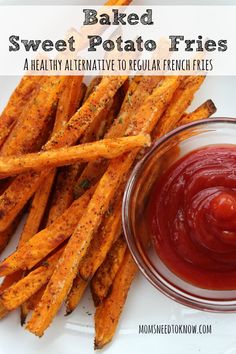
74, 334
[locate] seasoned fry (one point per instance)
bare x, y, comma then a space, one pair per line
16, 103
31, 303
63, 195
9, 280
108, 313
106, 148
202, 112
181, 100
109, 230
37, 115
91, 219
39, 246
68, 102
12, 201
36, 212
19, 292
102, 280
75, 295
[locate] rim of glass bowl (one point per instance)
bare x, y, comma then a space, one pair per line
157, 280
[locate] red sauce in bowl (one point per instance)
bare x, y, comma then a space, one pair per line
192, 216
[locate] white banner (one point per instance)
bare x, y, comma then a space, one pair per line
90, 40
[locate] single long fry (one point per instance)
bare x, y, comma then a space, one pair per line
106, 148
30, 131
102, 280
205, 110
19, 292
181, 100
22, 188
91, 219
16, 103
40, 245
108, 313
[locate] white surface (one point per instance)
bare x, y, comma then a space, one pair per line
74, 334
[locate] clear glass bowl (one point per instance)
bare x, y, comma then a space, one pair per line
144, 176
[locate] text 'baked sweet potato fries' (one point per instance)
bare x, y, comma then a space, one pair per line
70, 170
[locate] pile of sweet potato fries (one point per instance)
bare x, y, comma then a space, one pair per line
66, 152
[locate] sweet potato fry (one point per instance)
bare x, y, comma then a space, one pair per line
202, 112
16, 104
68, 102
19, 292
181, 100
40, 245
109, 311
33, 301
75, 295
106, 148
91, 219
63, 194
109, 230
37, 115
12, 201
30, 304
103, 278
36, 211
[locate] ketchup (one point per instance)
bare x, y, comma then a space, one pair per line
192, 216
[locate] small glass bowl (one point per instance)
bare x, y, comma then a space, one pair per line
145, 175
